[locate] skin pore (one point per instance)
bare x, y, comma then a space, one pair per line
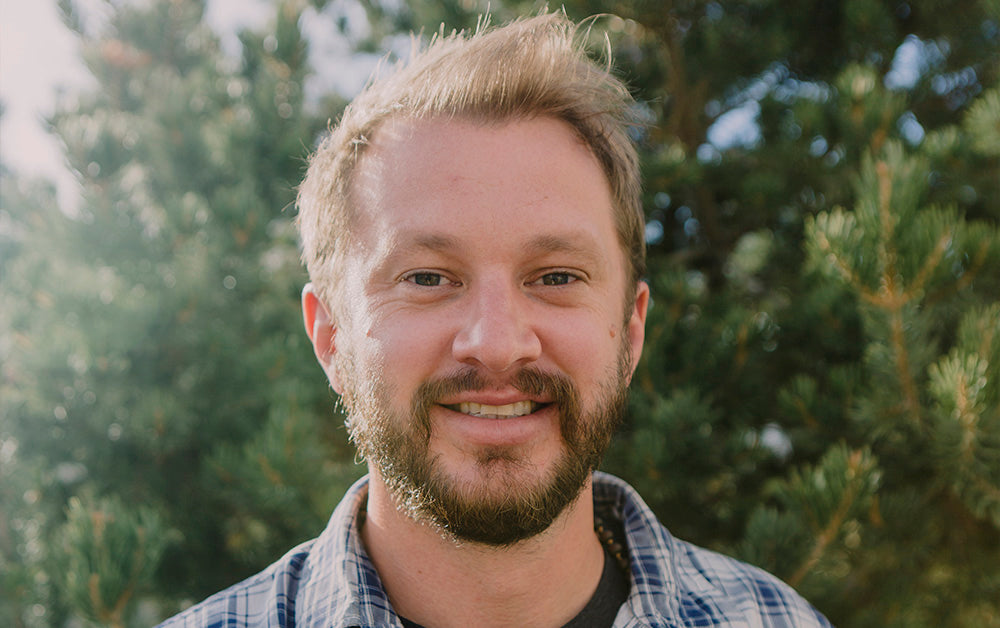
481, 253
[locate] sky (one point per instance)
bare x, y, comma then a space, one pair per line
39, 60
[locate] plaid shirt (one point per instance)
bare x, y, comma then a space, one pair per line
330, 582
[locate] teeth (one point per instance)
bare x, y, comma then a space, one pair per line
485, 411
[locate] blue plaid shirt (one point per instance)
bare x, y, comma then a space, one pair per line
330, 582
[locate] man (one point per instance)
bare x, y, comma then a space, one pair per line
473, 232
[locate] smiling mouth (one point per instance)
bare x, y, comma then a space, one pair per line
508, 411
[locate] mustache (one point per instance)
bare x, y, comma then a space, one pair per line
528, 380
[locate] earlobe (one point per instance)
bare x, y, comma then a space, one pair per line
322, 332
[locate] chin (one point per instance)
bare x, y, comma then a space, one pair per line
502, 499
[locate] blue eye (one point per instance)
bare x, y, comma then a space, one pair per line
557, 279
426, 279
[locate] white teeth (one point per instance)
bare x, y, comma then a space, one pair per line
485, 411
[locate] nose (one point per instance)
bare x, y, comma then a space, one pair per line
497, 333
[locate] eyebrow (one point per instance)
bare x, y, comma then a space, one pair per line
434, 242
574, 243
415, 241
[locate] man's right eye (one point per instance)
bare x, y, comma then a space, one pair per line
426, 279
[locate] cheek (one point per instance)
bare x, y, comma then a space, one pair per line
583, 345
405, 351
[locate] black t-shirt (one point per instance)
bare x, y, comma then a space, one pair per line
603, 606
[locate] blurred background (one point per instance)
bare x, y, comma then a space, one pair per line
820, 391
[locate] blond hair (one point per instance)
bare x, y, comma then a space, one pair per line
535, 67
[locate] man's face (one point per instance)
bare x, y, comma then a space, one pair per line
484, 342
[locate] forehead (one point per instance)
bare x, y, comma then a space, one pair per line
451, 179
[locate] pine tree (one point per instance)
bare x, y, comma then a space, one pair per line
161, 410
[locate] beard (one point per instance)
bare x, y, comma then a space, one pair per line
497, 509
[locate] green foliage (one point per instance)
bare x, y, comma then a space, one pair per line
965, 388
982, 124
819, 393
820, 516
152, 338
108, 552
264, 479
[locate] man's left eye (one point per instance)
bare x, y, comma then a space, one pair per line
557, 279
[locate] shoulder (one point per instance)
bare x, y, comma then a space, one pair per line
676, 583
323, 582
265, 599
713, 585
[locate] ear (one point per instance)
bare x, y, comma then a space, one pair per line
322, 332
636, 327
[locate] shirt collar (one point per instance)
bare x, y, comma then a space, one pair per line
341, 587
653, 585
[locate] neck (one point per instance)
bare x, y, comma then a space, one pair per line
438, 583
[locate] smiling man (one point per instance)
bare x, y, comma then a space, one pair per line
474, 237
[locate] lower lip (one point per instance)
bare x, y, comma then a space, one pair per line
498, 432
